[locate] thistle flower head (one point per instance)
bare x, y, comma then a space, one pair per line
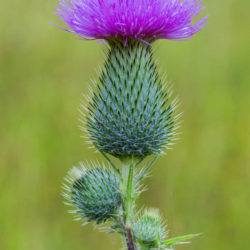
93, 192
140, 19
130, 114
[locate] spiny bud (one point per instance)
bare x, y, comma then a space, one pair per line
149, 230
93, 192
130, 114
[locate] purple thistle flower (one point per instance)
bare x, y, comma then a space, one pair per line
146, 20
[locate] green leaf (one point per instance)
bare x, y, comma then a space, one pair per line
179, 240
145, 171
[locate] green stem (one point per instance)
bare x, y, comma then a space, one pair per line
130, 195
127, 188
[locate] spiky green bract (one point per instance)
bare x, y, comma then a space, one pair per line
94, 193
149, 231
130, 114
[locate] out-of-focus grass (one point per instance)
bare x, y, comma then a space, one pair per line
200, 186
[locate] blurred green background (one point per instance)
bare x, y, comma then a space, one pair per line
200, 186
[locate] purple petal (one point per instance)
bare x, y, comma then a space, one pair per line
141, 19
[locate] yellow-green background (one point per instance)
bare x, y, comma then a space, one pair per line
203, 185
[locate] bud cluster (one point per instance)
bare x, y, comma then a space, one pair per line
130, 116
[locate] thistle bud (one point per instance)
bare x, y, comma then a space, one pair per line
129, 114
149, 230
94, 193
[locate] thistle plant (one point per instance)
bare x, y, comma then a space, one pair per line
131, 114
